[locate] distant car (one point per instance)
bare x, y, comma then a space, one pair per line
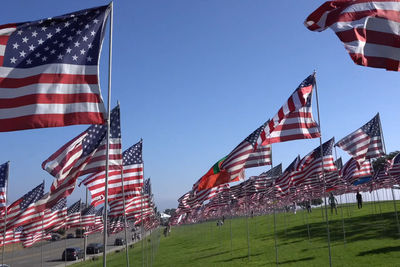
71, 254
70, 236
4, 265
94, 248
119, 242
54, 237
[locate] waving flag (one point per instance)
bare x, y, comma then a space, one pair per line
352, 171
369, 30
83, 155
394, 168
132, 175
364, 143
49, 71
283, 182
74, 215
294, 119
3, 184
88, 216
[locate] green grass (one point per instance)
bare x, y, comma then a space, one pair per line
371, 240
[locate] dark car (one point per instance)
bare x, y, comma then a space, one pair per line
119, 242
94, 248
55, 237
73, 254
70, 236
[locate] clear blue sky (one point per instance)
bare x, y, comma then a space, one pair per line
194, 78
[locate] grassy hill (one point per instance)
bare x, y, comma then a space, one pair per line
371, 240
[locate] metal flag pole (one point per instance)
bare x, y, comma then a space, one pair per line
108, 137
141, 222
5, 215
125, 221
247, 222
341, 203
84, 235
393, 196
41, 241
230, 220
323, 176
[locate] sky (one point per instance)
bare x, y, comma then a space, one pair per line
194, 78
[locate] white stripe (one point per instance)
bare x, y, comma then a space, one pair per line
49, 88
2, 50
373, 50
37, 109
389, 5
369, 23
48, 68
7, 31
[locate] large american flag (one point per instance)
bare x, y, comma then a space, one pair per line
368, 29
352, 171
3, 184
49, 71
132, 175
23, 210
84, 154
294, 119
364, 143
249, 153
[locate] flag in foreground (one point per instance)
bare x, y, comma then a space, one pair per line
49, 71
369, 29
3, 184
364, 143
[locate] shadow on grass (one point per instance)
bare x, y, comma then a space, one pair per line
294, 261
210, 255
379, 251
240, 258
372, 226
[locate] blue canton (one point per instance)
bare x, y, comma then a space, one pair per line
3, 174
133, 155
32, 196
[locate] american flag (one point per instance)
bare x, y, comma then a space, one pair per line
364, 143
115, 225
394, 168
73, 215
132, 206
352, 171
23, 211
88, 216
98, 225
314, 164
368, 29
83, 155
294, 119
3, 184
249, 152
283, 182
49, 71
132, 175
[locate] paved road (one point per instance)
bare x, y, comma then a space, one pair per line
52, 250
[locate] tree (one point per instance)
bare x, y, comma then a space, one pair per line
380, 163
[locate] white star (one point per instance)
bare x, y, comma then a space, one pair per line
78, 32
83, 51
89, 58
13, 60
66, 24
40, 41
34, 34
87, 26
44, 58
25, 40
19, 32
44, 28
61, 44
75, 19
76, 44
29, 61
92, 33
55, 42
69, 38
85, 38
37, 54
49, 35
60, 56
15, 46
53, 23
96, 21
22, 53
53, 52
58, 29
90, 45
69, 50
47, 48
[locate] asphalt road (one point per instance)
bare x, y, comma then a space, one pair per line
51, 251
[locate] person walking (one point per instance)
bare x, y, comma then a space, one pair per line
359, 199
333, 202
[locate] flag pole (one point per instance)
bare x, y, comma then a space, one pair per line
108, 137
323, 175
393, 196
5, 215
341, 203
141, 222
84, 235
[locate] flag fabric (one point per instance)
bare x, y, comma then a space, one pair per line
394, 168
73, 215
115, 225
283, 182
132, 175
214, 177
85, 154
369, 30
98, 225
88, 216
23, 211
364, 143
3, 184
49, 71
352, 171
294, 119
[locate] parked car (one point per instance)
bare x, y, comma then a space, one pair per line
119, 242
70, 236
94, 248
72, 254
55, 237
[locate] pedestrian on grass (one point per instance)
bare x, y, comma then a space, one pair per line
309, 206
333, 202
359, 199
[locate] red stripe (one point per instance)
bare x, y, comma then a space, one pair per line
59, 78
369, 36
9, 25
4, 39
1, 60
50, 120
49, 99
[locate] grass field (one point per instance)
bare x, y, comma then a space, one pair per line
371, 240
